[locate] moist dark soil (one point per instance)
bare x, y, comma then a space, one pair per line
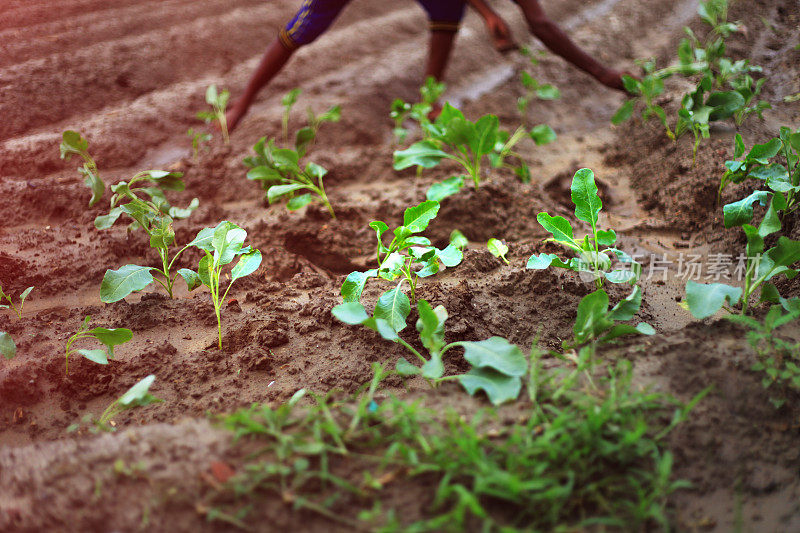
130, 76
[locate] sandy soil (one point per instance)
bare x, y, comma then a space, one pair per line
130, 76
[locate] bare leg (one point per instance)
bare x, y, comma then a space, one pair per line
439, 48
271, 63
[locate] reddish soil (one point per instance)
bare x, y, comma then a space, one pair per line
131, 75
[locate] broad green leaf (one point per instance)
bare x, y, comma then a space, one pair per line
298, 202
417, 218
741, 212
354, 284
771, 223
383, 328
390, 268
558, 226
486, 135
425, 154
138, 393
404, 368
542, 134
705, 300
72, 143
724, 104
190, 277
7, 346
112, 337
592, 316
106, 221
248, 263
205, 268
618, 330
352, 313
499, 388
627, 308
584, 196
762, 153
785, 253
276, 191
316, 171
432, 266
96, 356
262, 173
441, 190
606, 237
203, 239
170, 181
792, 305
540, 262
621, 276
227, 242
496, 353
117, 284
451, 256
624, 112
394, 307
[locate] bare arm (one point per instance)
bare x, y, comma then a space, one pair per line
559, 43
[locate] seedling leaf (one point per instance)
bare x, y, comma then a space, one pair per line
496, 353
354, 284
95, 356
706, 299
498, 387
584, 196
352, 313
7, 346
542, 134
425, 154
117, 284
394, 307
417, 218
247, 264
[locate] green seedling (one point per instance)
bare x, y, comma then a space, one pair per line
218, 102
430, 93
782, 178
534, 88
596, 323
458, 239
705, 299
497, 365
725, 88
279, 169
221, 245
778, 359
595, 250
409, 256
199, 138
498, 249
454, 137
73, 143
137, 396
107, 337
288, 102
281, 176
11, 305
8, 347
117, 284
150, 184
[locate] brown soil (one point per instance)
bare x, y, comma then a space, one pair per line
130, 77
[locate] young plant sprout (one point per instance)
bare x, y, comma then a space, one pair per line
534, 88
408, 256
725, 88
497, 365
198, 140
430, 93
218, 102
107, 337
73, 144
137, 396
454, 137
596, 323
11, 305
8, 347
595, 250
279, 169
498, 249
221, 246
